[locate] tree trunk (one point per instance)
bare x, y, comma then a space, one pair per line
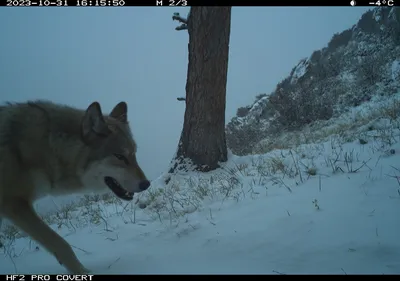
203, 136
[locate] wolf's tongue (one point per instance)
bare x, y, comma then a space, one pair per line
118, 190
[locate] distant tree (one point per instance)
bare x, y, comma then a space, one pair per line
369, 69
284, 103
203, 139
340, 39
302, 104
242, 111
242, 139
260, 96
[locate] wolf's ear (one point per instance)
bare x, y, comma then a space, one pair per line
120, 112
93, 124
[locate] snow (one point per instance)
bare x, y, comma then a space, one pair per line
254, 112
377, 14
258, 107
346, 77
392, 14
300, 70
395, 70
342, 220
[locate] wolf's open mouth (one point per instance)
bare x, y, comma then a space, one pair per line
118, 189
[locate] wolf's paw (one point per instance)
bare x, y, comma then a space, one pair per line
83, 270
86, 271
80, 271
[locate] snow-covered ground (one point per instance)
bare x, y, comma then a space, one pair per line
331, 207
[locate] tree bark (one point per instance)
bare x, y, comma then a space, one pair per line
203, 139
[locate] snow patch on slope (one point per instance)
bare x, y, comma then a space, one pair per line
300, 70
395, 70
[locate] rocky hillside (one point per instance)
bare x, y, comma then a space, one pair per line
356, 65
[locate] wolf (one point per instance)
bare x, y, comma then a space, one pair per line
53, 149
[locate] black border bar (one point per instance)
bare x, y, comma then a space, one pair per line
182, 3
271, 3
108, 277
117, 277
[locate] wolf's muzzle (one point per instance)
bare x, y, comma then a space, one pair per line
143, 185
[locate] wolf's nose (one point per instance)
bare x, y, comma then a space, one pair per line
143, 185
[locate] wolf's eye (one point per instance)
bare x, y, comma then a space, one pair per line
122, 158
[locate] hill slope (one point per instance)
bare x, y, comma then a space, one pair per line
356, 65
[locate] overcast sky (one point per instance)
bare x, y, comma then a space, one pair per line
80, 55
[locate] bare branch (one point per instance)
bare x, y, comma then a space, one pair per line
184, 21
181, 27
177, 17
181, 99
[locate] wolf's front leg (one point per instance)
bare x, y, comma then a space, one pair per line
22, 214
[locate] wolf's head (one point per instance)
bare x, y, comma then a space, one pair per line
112, 152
